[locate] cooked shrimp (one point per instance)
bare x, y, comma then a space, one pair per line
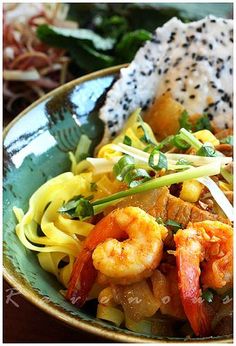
135, 258
125, 262
211, 242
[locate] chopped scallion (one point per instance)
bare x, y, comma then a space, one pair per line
162, 161
127, 140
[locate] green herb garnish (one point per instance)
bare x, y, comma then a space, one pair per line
175, 226
184, 121
203, 123
208, 295
78, 206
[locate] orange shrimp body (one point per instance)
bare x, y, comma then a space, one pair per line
125, 246
211, 242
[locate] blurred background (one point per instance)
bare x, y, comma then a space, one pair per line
46, 45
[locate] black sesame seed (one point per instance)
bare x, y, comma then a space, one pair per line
231, 71
192, 96
166, 59
210, 116
199, 29
113, 133
183, 89
221, 91
159, 71
177, 79
155, 40
110, 110
212, 20
197, 86
210, 46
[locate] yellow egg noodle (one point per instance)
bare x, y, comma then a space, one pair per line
63, 237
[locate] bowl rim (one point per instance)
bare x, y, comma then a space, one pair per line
34, 298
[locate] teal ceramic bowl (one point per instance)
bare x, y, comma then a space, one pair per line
36, 146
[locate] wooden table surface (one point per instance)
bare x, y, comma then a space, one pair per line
24, 323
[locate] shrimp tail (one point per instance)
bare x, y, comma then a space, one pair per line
82, 279
84, 274
190, 293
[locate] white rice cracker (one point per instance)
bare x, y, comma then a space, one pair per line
193, 61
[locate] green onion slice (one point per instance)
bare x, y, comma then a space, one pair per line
132, 175
123, 166
179, 143
162, 161
127, 140
206, 150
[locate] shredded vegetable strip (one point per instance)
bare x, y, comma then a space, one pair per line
218, 196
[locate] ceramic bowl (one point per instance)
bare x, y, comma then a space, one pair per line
36, 146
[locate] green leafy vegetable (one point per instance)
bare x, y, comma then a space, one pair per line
87, 49
208, 295
48, 33
175, 226
78, 207
227, 140
114, 26
162, 161
203, 123
184, 121
130, 43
